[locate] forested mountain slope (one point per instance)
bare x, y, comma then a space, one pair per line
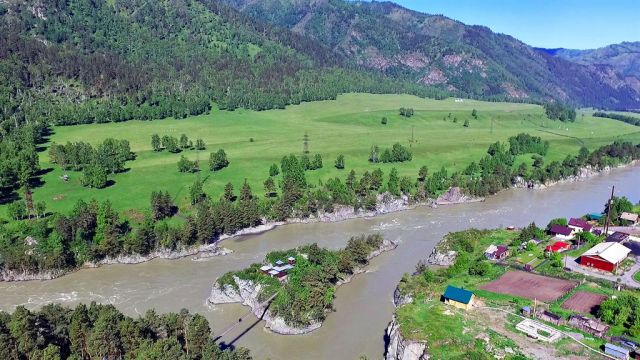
624, 58
435, 50
76, 61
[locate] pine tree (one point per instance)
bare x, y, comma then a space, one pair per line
184, 141
228, 192
269, 187
196, 194
273, 170
393, 186
339, 162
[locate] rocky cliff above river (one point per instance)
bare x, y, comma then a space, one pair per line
400, 349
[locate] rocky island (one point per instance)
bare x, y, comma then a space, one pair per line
293, 290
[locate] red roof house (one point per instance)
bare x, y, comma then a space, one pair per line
579, 225
605, 256
558, 246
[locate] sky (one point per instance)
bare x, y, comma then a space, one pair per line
573, 24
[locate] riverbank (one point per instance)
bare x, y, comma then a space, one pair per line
386, 204
247, 292
203, 251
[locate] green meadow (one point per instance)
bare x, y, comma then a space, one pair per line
349, 125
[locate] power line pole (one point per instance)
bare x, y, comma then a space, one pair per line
412, 140
305, 141
606, 222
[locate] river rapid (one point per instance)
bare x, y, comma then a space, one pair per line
363, 307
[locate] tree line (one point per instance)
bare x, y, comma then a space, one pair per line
57, 332
397, 153
97, 163
624, 118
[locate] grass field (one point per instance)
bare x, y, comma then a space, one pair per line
349, 125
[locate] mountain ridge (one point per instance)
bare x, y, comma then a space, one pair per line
470, 60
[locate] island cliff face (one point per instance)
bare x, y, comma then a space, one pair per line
247, 292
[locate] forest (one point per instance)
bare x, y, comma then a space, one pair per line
102, 61
94, 331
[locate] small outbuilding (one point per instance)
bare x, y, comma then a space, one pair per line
458, 297
605, 256
496, 252
616, 351
589, 325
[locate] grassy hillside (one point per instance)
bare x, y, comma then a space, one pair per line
349, 125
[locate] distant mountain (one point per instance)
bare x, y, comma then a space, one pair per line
435, 50
623, 58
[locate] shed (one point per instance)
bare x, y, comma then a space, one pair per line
526, 310
291, 260
616, 351
605, 256
458, 297
550, 317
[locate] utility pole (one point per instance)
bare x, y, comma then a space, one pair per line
606, 222
492, 125
412, 140
305, 141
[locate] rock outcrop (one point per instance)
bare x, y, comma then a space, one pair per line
455, 196
400, 349
442, 258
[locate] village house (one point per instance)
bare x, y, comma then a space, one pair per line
498, 252
549, 317
629, 218
562, 232
558, 246
588, 325
618, 237
606, 256
579, 225
458, 297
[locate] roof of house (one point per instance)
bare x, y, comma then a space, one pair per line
629, 216
274, 272
583, 224
501, 250
617, 237
265, 268
595, 216
279, 262
616, 348
291, 258
634, 246
551, 315
457, 294
557, 246
612, 252
560, 229
491, 249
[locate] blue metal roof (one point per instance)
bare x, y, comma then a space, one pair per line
457, 294
615, 348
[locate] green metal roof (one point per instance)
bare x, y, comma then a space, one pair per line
457, 294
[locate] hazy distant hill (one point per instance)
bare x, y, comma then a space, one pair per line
624, 58
435, 50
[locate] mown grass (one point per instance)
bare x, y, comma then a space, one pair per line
349, 125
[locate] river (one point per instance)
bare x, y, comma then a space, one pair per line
363, 307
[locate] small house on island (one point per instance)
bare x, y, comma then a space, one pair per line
606, 256
579, 225
562, 232
557, 247
616, 351
498, 252
280, 270
458, 297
